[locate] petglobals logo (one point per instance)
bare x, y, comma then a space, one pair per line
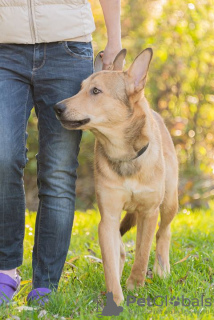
164, 301
111, 309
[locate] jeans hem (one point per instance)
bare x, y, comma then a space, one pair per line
51, 286
11, 264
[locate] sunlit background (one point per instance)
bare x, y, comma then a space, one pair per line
180, 87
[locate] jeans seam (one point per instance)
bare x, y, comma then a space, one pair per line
43, 62
23, 148
40, 217
23, 138
38, 240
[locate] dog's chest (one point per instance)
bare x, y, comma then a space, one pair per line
139, 194
125, 169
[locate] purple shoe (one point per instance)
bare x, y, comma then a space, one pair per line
39, 295
8, 287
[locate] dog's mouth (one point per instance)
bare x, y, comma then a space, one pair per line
75, 123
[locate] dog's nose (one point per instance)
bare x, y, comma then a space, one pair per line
59, 108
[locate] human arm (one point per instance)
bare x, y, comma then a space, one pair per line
111, 12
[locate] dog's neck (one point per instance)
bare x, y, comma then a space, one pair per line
127, 143
121, 152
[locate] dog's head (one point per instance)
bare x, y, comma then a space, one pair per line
107, 98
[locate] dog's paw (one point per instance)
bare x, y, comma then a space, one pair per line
133, 283
162, 270
118, 299
130, 285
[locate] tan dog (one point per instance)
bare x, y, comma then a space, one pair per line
135, 167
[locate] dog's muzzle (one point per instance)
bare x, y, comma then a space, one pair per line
59, 109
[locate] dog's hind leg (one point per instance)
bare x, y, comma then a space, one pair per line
168, 210
146, 224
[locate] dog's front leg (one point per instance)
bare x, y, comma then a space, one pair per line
110, 205
146, 224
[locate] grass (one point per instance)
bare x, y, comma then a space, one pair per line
82, 287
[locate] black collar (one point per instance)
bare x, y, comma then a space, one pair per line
141, 151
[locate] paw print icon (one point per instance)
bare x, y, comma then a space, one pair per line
174, 301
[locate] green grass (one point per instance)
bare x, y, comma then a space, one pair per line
82, 282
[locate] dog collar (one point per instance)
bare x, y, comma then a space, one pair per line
141, 151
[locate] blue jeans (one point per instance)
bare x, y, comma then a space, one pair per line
39, 75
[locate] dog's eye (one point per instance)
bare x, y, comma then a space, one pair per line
96, 91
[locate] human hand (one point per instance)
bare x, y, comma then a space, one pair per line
109, 54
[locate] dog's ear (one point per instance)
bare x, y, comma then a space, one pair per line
116, 65
138, 70
98, 63
119, 60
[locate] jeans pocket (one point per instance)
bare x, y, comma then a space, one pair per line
79, 50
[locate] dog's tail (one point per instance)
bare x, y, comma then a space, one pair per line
127, 223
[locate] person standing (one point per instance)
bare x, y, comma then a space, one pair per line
45, 54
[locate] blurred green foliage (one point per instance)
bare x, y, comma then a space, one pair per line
180, 87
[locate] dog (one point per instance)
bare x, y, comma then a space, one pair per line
135, 167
